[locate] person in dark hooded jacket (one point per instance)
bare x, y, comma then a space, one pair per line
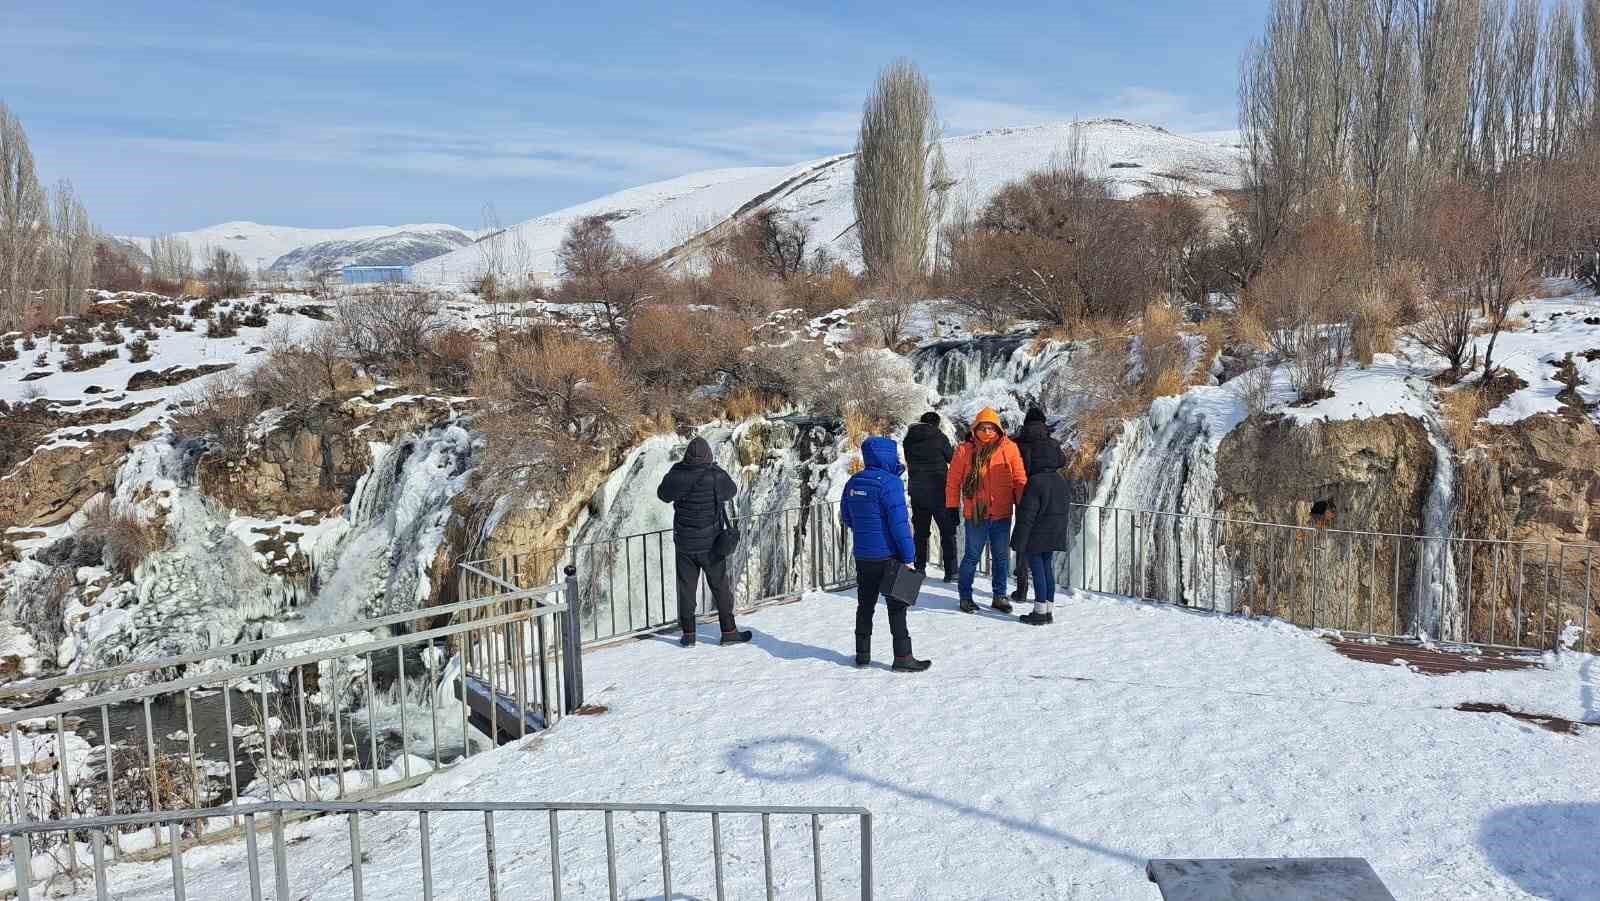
697, 487
1041, 526
928, 454
1035, 435
874, 509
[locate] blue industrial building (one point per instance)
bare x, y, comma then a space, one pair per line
376, 275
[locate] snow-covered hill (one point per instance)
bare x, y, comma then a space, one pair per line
659, 217
264, 245
401, 248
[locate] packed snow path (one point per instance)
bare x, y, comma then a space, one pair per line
1030, 762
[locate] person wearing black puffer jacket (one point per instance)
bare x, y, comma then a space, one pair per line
928, 453
697, 487
1035, 435
1041, 526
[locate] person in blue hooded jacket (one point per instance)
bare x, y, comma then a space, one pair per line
874, 508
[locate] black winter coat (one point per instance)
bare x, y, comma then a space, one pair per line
696, 492
1041, 519
1035, 438
928, 454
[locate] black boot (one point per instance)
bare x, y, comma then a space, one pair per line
1020, 594
1038, 619
967, 606
737, 636
863, 650
1001, 605
687, 640
910, 664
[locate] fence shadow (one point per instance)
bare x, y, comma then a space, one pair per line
797, 759
1548, 850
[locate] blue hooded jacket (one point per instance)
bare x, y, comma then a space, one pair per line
874, 505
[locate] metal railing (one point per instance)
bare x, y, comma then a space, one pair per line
337, 722
242, 653
627, 584
661, 822
1500, 593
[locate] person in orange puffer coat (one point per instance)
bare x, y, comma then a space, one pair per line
986, 480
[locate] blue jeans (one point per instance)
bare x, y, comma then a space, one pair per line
1042, 566
996, 533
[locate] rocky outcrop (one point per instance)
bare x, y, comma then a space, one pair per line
311, 459
1536, 482
55, 481
1377, 472
145, 379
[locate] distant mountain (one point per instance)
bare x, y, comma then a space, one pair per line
402, 248
264, 245
667, 216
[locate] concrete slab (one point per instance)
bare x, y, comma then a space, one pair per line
1268, 879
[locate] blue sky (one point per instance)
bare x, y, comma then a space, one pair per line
179, 114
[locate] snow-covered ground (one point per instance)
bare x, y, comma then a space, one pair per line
1541, 333
1028, 763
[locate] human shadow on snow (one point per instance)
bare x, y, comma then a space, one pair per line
1547, 849
798, 759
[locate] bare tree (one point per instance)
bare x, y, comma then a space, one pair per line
599, 270
1382, 104
171, 258
24, 220
72, 263
225, 274
892, 201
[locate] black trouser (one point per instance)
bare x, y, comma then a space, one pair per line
1021, 569
689, 568
922, 519
869, 578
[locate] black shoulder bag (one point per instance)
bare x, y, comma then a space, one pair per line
727, 540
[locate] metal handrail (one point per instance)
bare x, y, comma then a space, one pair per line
1228, 520
265, 644
177, 685
99, 828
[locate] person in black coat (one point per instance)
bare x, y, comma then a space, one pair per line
697, 487
928, 453
1041, 526
1035, 436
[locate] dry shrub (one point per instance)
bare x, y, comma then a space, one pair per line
553, 405
857, 427
223, 410
677, 348
1302, 301
747, 293
1462, 409
125, 538
1371, 325
1254, 388
1163, 354
452, 355
389, 328
818, 293
769, 242
875, 386
744, 403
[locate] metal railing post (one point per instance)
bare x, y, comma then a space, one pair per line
572, 654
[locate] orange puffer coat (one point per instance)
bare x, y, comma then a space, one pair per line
1003, 481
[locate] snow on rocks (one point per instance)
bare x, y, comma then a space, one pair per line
1028, 763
